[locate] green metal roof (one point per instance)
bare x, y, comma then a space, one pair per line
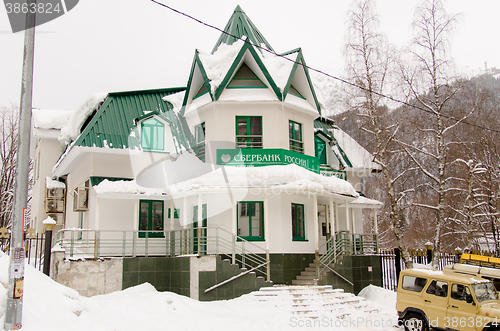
112, 124
240, 25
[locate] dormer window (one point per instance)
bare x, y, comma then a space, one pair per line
152, 135
246, 78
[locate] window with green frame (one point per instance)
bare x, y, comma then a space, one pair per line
298, 232
251, 220
152, 135
199, 132
292, 90
245, 78
295, 136
248, 131
150, 218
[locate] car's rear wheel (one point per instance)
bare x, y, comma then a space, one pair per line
415, 322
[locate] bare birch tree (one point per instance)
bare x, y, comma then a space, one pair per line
8, 157
433, 87
369, 63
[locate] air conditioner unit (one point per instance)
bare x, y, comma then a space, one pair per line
55, 193
81, 199
54, 205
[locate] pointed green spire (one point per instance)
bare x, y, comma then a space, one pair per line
240, 25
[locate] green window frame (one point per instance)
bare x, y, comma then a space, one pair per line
250, 219
293, 91
298, 222
295, 136
202, 91
249, 132
245, 78
199, 133
151, 218
152, 135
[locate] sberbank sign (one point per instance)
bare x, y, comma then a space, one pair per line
266, 157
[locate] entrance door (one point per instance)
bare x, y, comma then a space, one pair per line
200, 231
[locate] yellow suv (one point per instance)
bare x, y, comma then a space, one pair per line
446, 300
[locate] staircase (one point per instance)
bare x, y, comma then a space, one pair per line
314, 301
308, 276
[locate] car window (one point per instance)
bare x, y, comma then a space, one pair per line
485, 291
412, 283
459, 291
438, 288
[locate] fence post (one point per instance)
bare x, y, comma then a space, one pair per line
428, 246
397, 262
49, 224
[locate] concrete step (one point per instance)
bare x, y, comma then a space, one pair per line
305, 282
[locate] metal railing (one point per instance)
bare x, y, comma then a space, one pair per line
249, 141
344, 243
82, 243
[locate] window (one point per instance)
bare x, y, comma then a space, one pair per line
199, 132
298, 232
295, 135
251, 220
412, 283
152, 135
151, 218
292, 90
248, 132
202, 91
438, 288
245, 78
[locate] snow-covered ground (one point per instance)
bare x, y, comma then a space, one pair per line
49, 306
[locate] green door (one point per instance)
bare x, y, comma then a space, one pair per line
151, 218
320, 149
200, 231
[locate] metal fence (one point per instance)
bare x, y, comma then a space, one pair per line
34, 245
392, 262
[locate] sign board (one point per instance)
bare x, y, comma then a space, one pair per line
266, 157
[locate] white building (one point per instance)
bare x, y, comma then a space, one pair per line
244, 140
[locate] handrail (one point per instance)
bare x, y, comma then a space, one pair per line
234, 277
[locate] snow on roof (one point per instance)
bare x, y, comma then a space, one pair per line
363, 201
126, 187
71, 130
176, 100
49, 221
359, 157
50, 119
165, 178
278, 176
278, 67
51, 183
216, 65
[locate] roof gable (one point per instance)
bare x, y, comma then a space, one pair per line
246, 55
301, 81
240, 25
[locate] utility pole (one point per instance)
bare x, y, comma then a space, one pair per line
14, 310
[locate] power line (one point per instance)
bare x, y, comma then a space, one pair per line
324, 73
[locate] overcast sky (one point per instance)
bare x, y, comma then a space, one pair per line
120, 45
